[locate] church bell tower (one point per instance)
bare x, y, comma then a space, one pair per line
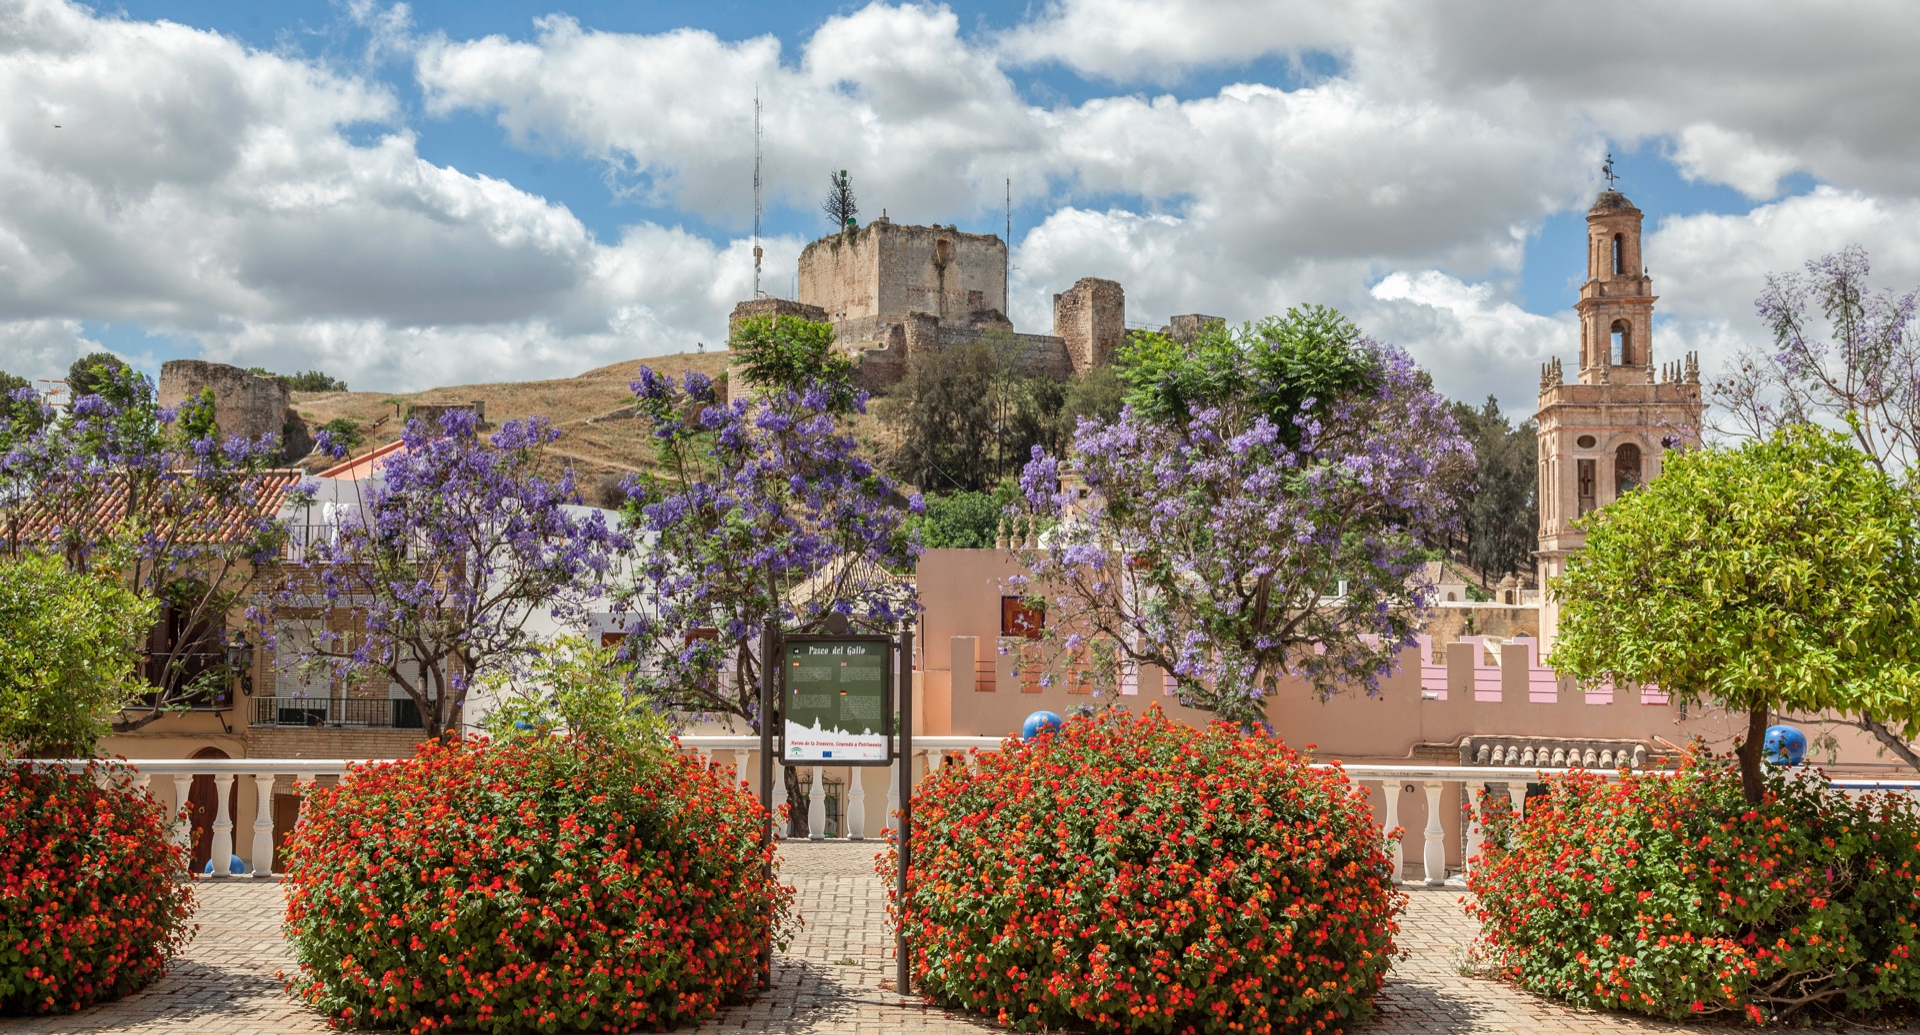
1606, 433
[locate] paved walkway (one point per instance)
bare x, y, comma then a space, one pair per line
836, 978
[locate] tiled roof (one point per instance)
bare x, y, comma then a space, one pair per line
36, 521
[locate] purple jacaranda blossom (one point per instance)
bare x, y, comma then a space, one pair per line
159, 497
1231, 556
432, 575
763, 510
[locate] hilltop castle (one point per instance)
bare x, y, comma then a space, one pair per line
893, 291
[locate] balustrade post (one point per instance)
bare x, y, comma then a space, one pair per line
934, 758
182, 833
1517, 794
1434, 859
1475, 831
740, 756
263, 825
856, 805
222, 826
1390, 793
817, 805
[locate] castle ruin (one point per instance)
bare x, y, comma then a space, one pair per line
893, 291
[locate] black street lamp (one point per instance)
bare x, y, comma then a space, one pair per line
240, 661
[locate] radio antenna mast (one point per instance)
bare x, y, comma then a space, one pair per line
756, 191
1006, 287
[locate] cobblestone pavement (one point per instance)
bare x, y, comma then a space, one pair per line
836, 978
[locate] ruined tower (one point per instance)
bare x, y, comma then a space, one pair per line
1606, 433
872, 277
1091, 316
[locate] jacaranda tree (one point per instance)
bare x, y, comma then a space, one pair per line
762, 510
438, 568
183, 515
1257, 511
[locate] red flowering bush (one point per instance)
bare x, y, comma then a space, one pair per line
92, 900
1133, 874
539, 884
1671, 896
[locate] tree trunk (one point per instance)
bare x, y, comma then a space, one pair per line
1749, 755
1889, 740
796, 801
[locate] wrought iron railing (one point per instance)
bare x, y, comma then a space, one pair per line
337, 712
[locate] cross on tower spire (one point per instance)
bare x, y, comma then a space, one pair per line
1606, 169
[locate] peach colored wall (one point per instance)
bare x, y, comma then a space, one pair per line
1437, 696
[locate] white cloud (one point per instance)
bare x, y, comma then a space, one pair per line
42, 348
278, 209
1132, 40
171, 177
1707, 152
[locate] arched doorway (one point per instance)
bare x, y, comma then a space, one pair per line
203, 803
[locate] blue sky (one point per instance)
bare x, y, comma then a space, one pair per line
409, 195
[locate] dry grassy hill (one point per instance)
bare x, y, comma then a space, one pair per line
600, 439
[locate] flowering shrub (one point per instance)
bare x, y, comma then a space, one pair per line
1133, 874
1671, 896
92, 904
540, 884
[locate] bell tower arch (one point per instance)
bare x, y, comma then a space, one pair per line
1604, 434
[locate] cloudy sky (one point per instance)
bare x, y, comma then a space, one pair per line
444, 192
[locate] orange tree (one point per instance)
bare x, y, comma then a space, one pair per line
1782, 574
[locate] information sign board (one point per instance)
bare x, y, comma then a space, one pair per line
836, 695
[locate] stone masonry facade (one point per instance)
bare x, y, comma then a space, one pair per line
894, 291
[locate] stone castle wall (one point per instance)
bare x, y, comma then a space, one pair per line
879, 273
245, 404
894, 291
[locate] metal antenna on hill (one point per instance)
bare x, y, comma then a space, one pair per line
1006, 289
756, 191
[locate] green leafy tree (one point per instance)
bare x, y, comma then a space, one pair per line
970, 415
344, 431
1499, 506
963, 520
573, 687
781, 353
100, 373
1276, 367
1784, 574
313, 381
68, 657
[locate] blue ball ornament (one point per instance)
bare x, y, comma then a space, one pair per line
1784, 745
1038, 723
234, 866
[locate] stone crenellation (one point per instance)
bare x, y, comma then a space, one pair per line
893, 291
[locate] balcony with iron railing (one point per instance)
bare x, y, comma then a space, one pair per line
337, 713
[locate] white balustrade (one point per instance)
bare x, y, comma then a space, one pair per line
222, 857
856, 805
934, 752
263, 825
817, 805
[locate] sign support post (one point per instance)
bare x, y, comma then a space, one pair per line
769, 658
901, 977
